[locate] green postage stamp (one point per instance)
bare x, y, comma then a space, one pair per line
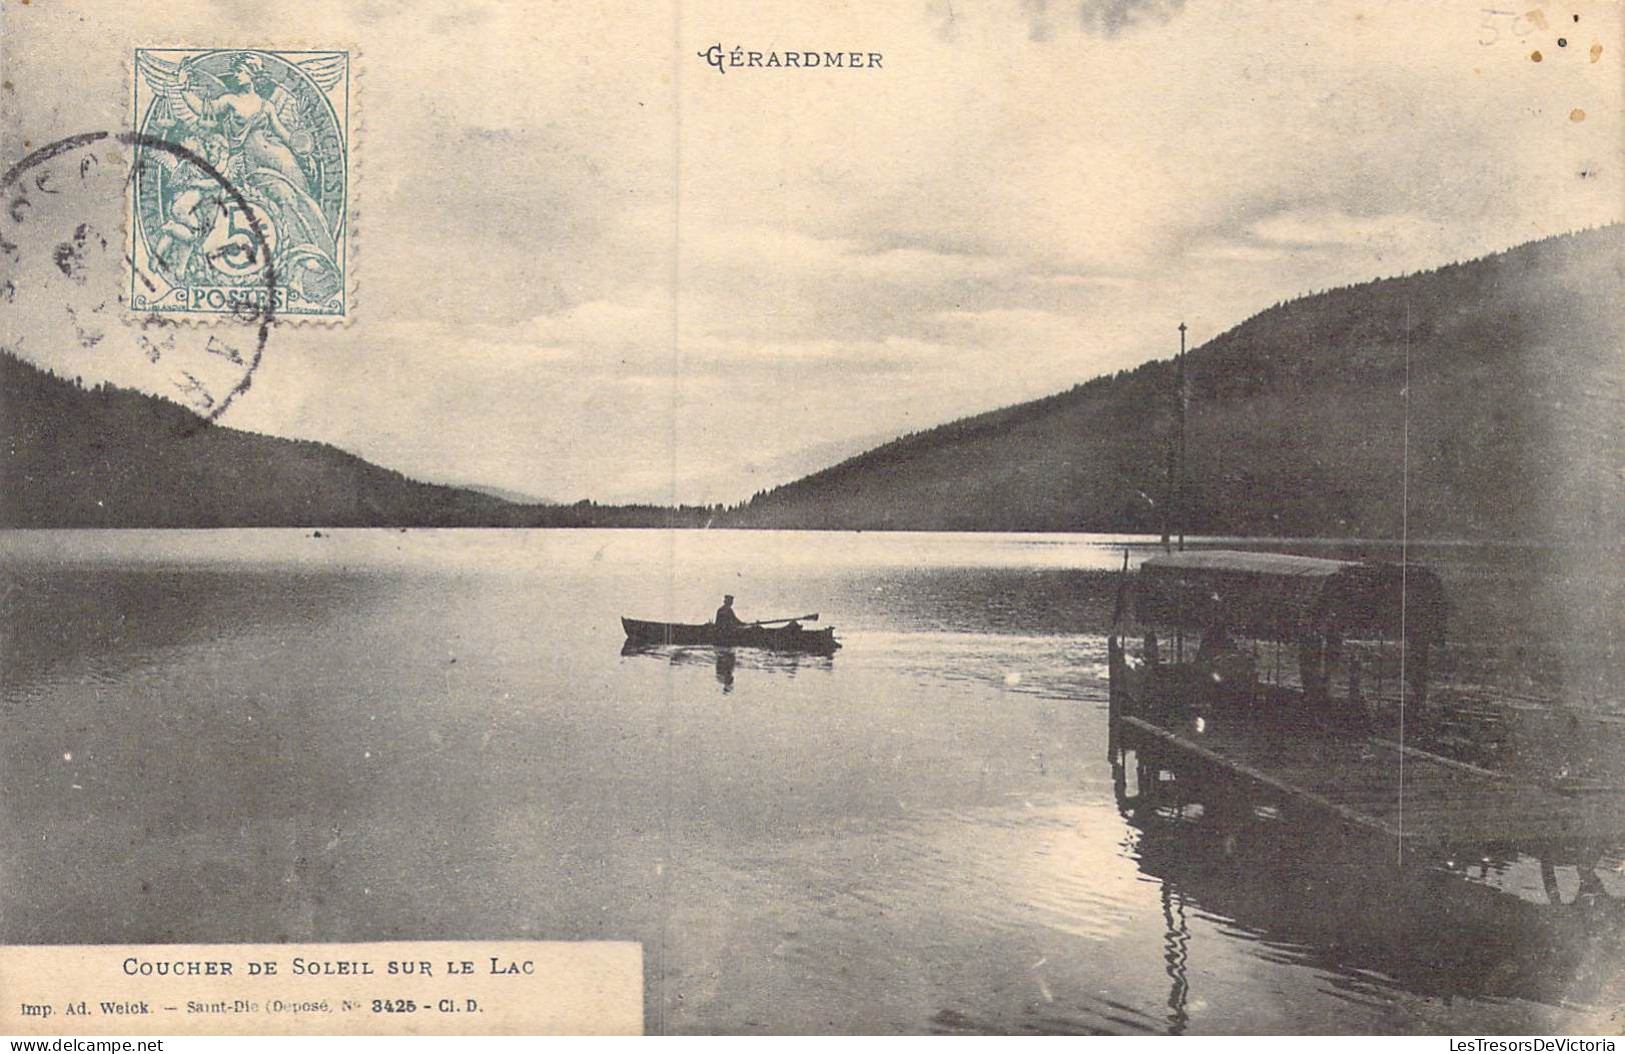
254, 205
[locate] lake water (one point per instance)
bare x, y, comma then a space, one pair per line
257, 735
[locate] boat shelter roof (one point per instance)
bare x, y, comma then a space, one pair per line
1272, 596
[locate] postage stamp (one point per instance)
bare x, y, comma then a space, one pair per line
276, 126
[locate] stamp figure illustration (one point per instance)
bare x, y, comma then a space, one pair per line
275, 124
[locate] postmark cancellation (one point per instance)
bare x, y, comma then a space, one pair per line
274, 126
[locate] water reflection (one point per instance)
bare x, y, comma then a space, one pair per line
724, 662
105, 625
1308, 892
1175, 948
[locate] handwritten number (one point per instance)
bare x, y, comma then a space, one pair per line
1517, 25
1490, 16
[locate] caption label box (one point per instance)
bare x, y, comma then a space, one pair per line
406, 988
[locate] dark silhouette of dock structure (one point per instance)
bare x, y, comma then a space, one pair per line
1283, 676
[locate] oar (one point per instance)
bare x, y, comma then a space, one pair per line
793, 618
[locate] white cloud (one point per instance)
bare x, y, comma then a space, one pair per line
1330, 226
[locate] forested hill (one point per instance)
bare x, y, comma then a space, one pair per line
1298, 422
72, 456
111, 457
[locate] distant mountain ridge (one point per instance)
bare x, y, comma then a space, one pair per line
512, 496
1513, 369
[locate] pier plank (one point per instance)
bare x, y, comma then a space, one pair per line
1395, 791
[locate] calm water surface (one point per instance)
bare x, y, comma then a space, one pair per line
258, 735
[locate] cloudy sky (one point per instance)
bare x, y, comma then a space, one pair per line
591, 265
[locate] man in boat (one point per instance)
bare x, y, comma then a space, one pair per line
726, 619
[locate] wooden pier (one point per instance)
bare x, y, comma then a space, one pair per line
1421, 801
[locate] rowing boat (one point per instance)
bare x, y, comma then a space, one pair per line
782, 638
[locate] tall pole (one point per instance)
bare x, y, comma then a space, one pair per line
1184, 404
1169, 487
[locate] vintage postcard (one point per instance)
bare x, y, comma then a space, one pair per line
935, 517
